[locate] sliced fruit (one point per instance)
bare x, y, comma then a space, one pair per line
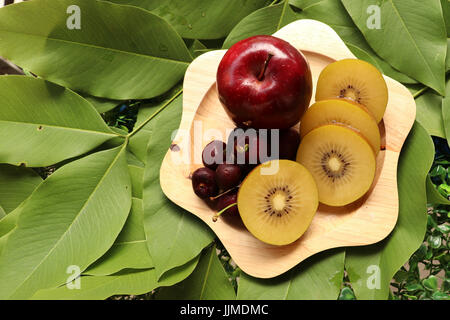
342, 111
341, 161
278, 208
356, 80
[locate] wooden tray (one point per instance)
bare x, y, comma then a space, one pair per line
368, 221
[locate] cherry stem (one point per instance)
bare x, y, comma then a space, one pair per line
223, 193
263, 71
216, 217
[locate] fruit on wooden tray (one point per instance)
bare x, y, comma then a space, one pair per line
227, 205
356, 80
264, 82
278, 208
288, 143
228, 176
341, 161
214, 154
342, 111
204, 183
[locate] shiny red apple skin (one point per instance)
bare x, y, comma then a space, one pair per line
264, 82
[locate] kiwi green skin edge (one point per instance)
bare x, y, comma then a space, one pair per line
374, 154
309, 222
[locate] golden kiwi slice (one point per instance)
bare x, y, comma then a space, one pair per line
278, 208
341, 161
342, 111
356, 80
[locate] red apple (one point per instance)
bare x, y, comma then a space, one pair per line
264, 82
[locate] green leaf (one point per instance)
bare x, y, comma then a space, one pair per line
196, 48
136, 171
72, 218
317, 278
346, 294
209, 281
142, 130
446, 111
174, 235
129, 251
102, 105
267, 21
430, 283
413, 287
446, 14
120, 52
433, 195
434, 241
447, 59
200, 19
405, 28
333, 13
124, 283
440, 296
371, 268
443, 228
16, 184
42, 123
8, 223
2, 213
430, 114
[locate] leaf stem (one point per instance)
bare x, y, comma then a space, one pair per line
154, 115
273, 2
420, 92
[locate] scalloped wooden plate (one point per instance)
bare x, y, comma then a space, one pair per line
367, 221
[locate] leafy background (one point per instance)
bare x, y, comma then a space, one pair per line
84, 131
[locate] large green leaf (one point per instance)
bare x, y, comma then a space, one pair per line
371, 268
174, 235
8, 223
200, 19
408, 28
101, 104
129, 251
446, 13
447, 61
42, 123
267, 20
16, 184
120, 52
317, 278
446, 111
430, 113
333, 13
72, 218
209, 281
433, 195
143, 131
124, 283
2, 213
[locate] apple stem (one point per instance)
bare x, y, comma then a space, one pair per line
217, 215
263, 71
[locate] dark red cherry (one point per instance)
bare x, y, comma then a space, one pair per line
227, 200
214, 154
228, 176
248, 148
204, 183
